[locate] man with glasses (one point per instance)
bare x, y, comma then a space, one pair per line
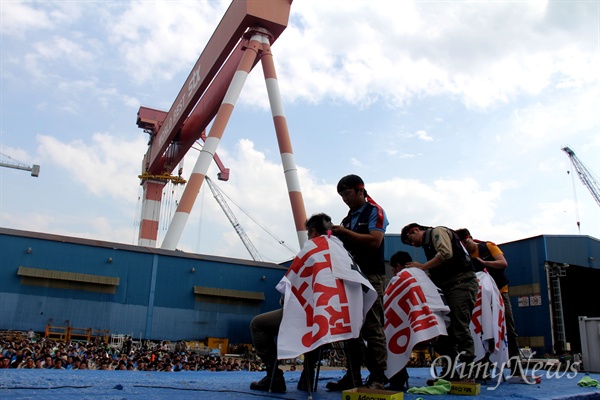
450, 268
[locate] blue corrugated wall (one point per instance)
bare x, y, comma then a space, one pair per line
154, 298
526, 265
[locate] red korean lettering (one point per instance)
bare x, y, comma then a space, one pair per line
422, 319
399, 341
476, 317
323, 324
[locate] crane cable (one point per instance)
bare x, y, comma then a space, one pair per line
279, 241
576, 204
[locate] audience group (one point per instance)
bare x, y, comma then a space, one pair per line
44, 353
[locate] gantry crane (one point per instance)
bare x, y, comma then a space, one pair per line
234, 221
586, 176
35, 169
242, 39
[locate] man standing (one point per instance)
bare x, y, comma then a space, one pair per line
362, 231
488, 256
450, 269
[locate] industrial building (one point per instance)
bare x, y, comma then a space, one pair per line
146, 292
161, 294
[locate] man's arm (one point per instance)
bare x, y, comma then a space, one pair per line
372, 239
499, 260
441, 238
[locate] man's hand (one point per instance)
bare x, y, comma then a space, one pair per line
338, 230
414, 264
433, 263
498, 263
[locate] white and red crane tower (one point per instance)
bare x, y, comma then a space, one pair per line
242, 39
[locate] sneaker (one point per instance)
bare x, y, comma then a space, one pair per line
344, 384
278, 385
376, 381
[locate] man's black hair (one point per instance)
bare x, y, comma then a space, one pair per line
321, 222
401, 258
462, 233
350, 182
406, 229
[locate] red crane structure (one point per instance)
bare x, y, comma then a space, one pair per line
242, 39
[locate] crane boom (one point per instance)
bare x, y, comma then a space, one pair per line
585, 175
236, 225
35, 169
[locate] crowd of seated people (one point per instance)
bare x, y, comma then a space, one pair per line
149, 356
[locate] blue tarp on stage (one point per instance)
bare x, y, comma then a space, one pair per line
80, 385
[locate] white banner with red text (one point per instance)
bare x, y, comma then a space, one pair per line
488, 326
414, 312
326, 298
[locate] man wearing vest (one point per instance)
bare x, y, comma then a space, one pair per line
362, 231
450, 268
488, 256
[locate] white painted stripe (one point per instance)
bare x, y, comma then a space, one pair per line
302, 237
291, 178
146, 242
288, 161
235, 88
203, 163
175, 230
151, 210
275, 97
211, 144
206, 155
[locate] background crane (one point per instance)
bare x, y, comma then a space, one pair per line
586, 176
588, 179
234, 221
35, 169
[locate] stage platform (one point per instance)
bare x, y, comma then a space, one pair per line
96, 385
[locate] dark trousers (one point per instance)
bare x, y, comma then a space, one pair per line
511, 331
264, 329
374, 354
460, 294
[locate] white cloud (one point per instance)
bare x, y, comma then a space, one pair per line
169, 42
21, 17
104, 167
423, 135
473, 55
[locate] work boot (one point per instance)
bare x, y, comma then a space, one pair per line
307, 379
481, 370
345, 383
265, 384
399, 381
376, 381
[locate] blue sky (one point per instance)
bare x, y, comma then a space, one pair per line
453, 112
